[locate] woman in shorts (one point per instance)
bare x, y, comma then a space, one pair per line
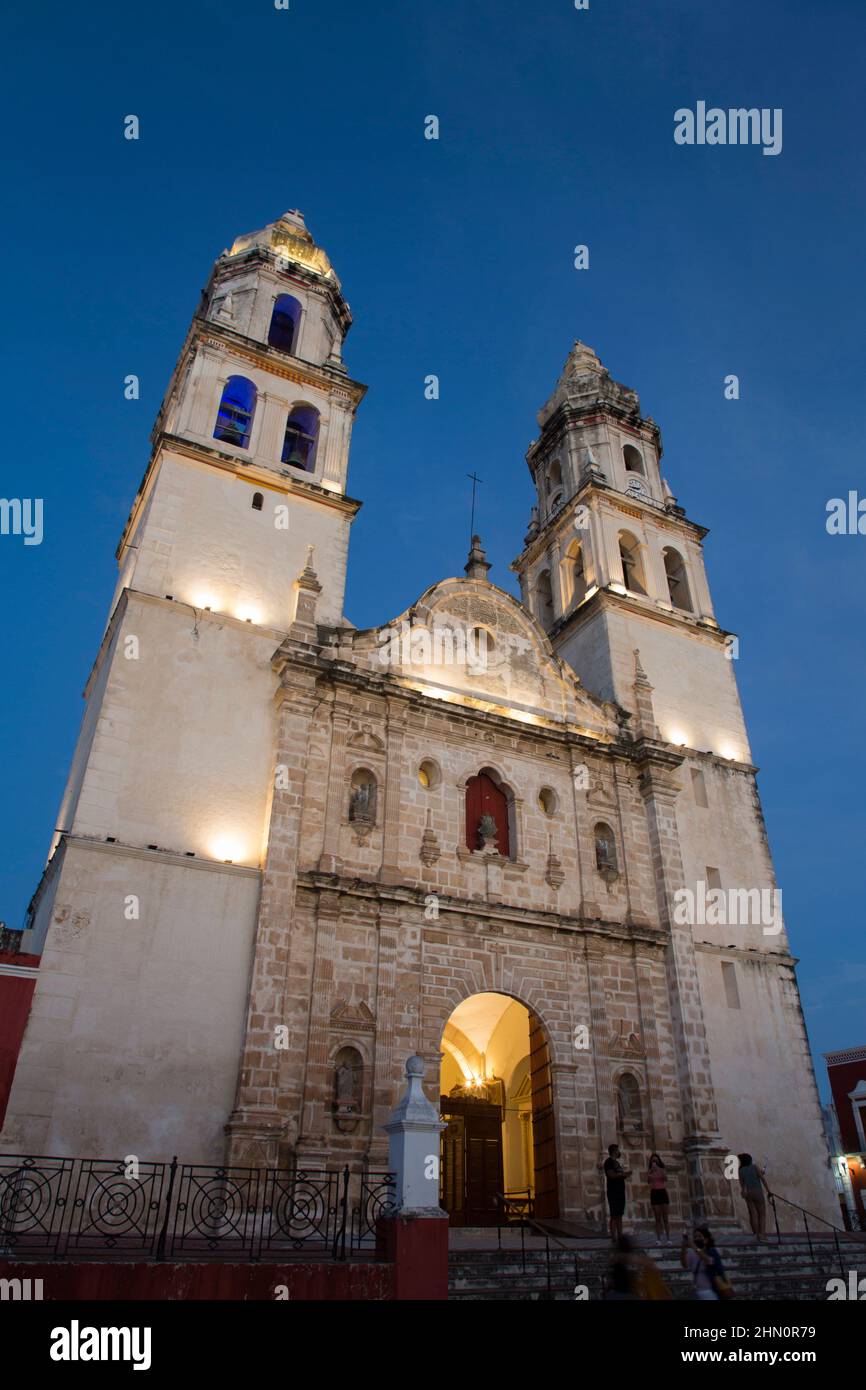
659, 1199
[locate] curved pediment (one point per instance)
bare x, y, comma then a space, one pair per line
467, 638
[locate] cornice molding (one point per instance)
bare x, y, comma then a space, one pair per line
167, 856
645, 608
394, 897
749, 953
561, 523
271, 360
258, 473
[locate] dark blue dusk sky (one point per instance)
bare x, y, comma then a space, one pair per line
457, 259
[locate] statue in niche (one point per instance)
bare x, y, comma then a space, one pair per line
347, 1089
487, 832
362, 799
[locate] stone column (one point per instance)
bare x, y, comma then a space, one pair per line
256, 1126
564, 1079
272, 426
653, 565
336, 443
700, 589
599, 1041
608, 565
396, 731
555, 578
383, 1078
336, 802
203, 392
643, 967
313, 1141
709, 1190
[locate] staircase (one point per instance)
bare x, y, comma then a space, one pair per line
790, 1269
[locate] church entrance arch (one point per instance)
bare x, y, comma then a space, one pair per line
497, 1104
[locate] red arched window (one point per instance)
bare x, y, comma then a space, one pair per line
485, 798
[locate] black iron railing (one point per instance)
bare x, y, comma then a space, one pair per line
516, 1209
69, 1208
774, 1197
377, 1197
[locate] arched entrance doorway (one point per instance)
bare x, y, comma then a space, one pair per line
497, 1104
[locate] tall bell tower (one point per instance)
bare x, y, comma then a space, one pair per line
614, 570
152, 885
612, 564
257, 419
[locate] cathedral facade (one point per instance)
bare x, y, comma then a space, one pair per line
522, 839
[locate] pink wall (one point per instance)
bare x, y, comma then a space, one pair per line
16, 994
193, 1282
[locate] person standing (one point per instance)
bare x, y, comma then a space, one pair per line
616, 1177
701, 1257
659, 1199
753, 1185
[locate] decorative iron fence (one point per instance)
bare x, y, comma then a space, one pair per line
377, 1197
72, 1208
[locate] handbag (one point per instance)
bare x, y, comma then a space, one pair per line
721, 1283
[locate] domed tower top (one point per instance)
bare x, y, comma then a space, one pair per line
592, 430
278, 288
289, 239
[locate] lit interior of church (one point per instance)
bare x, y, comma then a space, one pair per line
486, 1088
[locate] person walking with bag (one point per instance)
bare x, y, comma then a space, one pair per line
705, 1263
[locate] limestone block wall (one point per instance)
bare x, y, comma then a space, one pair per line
389, 1003
588, 651
391, 738
95, 695
762, 1071
203, 542
695, 695
181, 754
136, 1026
728, 835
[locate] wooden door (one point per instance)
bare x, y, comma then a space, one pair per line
543, 1124
452, 1175
471, 1161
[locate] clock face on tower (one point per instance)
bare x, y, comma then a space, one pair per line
638, 488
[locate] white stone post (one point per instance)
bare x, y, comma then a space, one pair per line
413, 1148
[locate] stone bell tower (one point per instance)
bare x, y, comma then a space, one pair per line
614, 570
257, 419
611, 563
151, 889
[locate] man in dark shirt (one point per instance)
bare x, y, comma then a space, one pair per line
616, 1176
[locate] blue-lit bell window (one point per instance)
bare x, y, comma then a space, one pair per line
285, 319
302, 435
235, 415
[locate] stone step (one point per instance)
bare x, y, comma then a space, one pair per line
765, 1261
778, 1271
